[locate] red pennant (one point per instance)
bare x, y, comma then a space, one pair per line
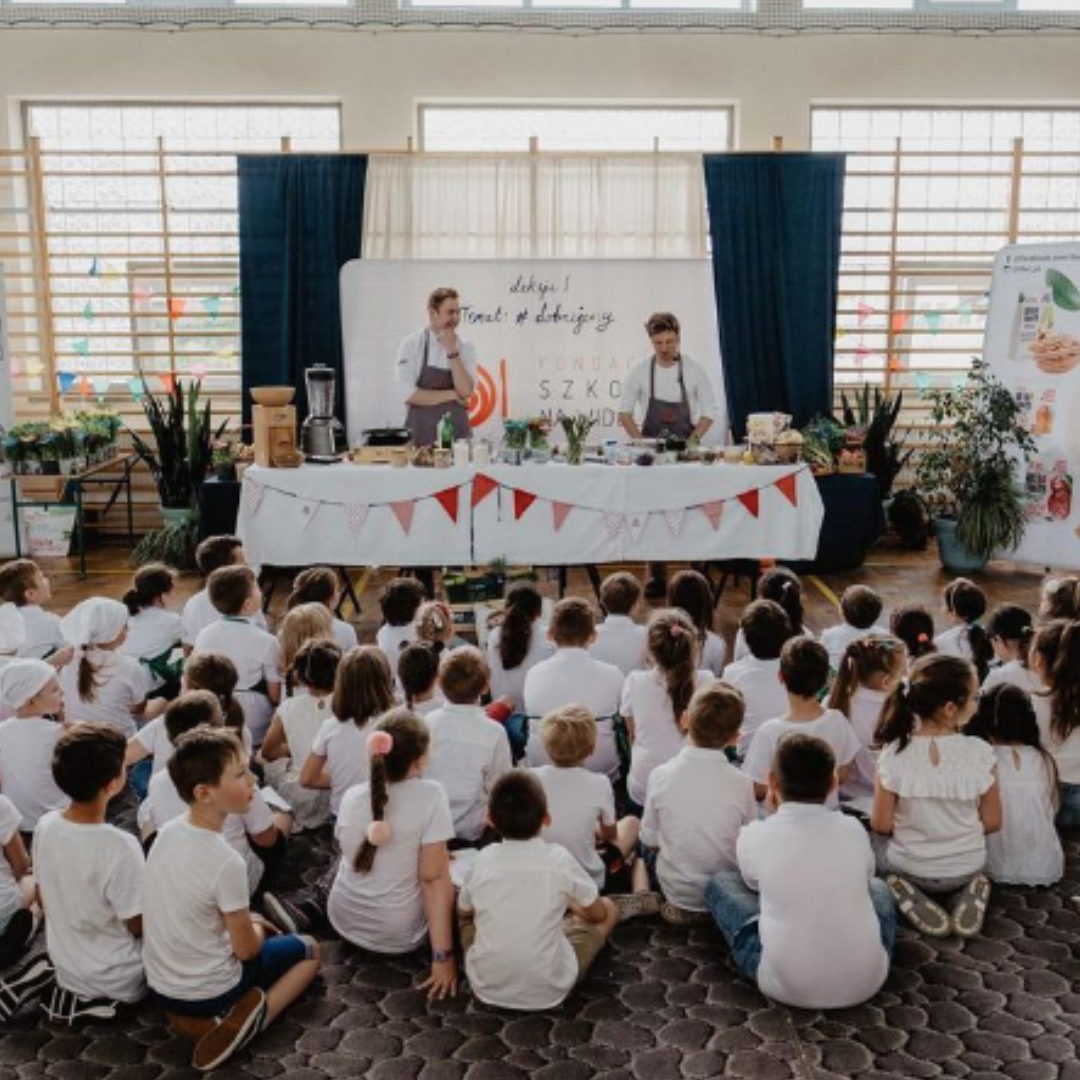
899, 321
713, 510
787, 485
522, 501
448, 500
177, 306
404, 511
168, 382
751, 500
482, 487
560, 512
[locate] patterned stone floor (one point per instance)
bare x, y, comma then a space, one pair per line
661, 1004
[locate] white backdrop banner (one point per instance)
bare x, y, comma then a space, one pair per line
1033, 345
551, 335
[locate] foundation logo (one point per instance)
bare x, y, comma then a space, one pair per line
490, 395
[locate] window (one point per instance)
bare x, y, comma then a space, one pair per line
573, 127
932, 195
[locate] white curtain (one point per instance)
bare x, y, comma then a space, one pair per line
618, 206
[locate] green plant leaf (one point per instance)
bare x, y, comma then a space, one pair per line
1066, 294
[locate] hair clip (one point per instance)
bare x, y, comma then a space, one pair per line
923, 638
380, 743
905, 686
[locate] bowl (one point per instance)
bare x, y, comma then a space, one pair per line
273, 397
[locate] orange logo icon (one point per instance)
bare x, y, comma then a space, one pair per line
486, 397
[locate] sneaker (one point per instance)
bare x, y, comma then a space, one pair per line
677, 916
16, 936
232, 1033
24, 984
64, 1007
923, 913
633, 905
969, 910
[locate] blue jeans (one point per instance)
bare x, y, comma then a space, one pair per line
276, 958
736, 909
1068, 815
139, 777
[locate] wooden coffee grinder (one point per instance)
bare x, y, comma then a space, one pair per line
274, 423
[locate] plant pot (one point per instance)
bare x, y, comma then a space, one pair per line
954, 556
225, 472
177, 515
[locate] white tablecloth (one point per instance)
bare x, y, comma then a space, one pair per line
343, 514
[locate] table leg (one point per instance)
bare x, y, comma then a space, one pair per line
15, 517
348, 593
594, 577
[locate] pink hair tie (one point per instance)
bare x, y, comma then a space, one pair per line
676, 630
380, 743
378, 834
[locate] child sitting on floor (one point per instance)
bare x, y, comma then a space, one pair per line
1060, 599
23, 584
860, 608
199, 612
914, 626
619, 639
783, 587
964, 604
937, 798
517, 643
690, 591
418, 674
1011, 631
19, 913
697, 804
154, 632
321, 585
302, 624
206, 955
400, 601
803, 914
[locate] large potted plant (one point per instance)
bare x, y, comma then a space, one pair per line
876, 412
967, 474
179, 460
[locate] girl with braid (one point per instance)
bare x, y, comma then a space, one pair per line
392, 888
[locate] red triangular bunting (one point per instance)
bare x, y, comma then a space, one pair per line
786, 485
560, 512
482, 487
751, 500
522, 501
404, 511
448, 500
713, 510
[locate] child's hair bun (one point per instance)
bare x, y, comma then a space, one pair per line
380, 743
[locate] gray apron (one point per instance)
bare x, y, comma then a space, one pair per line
670, 416
423, 420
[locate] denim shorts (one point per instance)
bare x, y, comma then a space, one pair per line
277, 957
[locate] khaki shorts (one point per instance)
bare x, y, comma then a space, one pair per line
586, 939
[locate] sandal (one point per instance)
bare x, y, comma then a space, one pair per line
969, 910
923, 913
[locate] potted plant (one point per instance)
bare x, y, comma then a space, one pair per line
876, 413
224, 460
967, 475
179, 460
577, 428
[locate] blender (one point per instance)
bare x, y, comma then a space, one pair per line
322, 435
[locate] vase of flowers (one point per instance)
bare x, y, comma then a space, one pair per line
577, 428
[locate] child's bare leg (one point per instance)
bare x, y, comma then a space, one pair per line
639, 876
627, 831
292, 984
284, 823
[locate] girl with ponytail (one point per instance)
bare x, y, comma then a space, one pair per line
691, 592
782, 586
321, 585
871, 667
914, 626
965, 604
418, 676
655, 700
1060, 599
1011, 630
1055, 659
937, 798
392, 888
517, 643
153, 631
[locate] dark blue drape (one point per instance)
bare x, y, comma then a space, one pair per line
775, 224
301, 220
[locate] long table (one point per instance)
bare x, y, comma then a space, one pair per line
349, 515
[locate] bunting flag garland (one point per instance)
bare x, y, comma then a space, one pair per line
559, 513
95, 268
177, 306
636, 523
865, 311
82, 346
522, 501
135, 386
751, 500
88, 311
85, 387
252, 495
922, 382
933, 321
787, 487
142, 295
355, 515
713, 510
101, 385
448, 500
482, 487
168, 381
899, 321
66, 379
212, 304
404, 511
613, 523
35, 367
310, 510
676, 521
896, 364
198, 370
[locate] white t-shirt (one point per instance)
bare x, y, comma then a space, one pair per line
511, 683
572, 676
1015, 674
43, 635
91, 882
344, 745
713, 653
26, 753
820, 936
519, 891
152, 632
657, 736
1027, 849
301, 717
831, 726
121, 682
393, 639
699, 388
697, 804
837, 638
10, 897
763, 692
468, 753
955, 641
622, 642
424, 709
937, 832
163, 804
383, 910
257, 657
578, 801
345, 635
199, 613
864, 714
154, 739
193, 879
410, 361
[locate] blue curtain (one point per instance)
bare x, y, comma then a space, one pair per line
775, 224
301, 220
